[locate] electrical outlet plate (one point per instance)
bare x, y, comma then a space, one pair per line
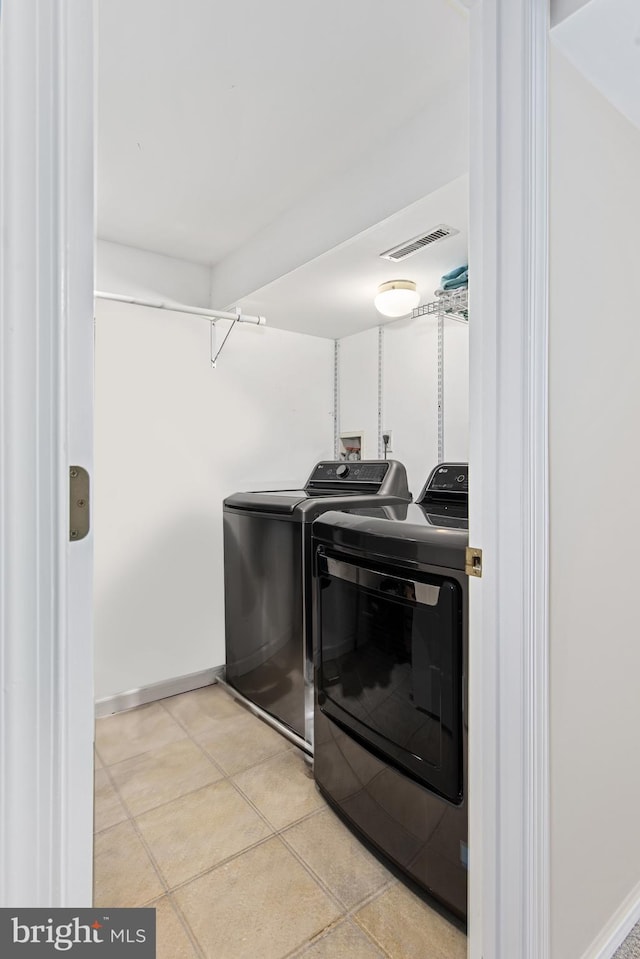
388, 433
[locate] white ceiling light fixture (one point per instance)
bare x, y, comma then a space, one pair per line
396, 298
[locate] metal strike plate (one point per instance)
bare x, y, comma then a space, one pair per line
473, 561
79, 513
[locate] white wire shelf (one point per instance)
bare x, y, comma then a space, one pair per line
454, 304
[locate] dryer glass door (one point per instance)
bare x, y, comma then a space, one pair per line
390, 665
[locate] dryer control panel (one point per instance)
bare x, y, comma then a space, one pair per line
446, 480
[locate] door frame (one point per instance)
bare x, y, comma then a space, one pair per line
509, 844
46, 689
46, 425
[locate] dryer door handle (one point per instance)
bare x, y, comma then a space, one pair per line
425, 594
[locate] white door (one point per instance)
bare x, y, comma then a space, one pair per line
46, 395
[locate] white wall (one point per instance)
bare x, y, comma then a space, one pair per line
410, 392
125, 269
595, 523
456, 391
173, 438
358, 390
410, 398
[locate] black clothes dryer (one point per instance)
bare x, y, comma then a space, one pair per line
267, 584
391, 654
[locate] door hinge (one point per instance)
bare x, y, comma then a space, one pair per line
79, 513
473, 561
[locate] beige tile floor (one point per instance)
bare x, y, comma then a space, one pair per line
206, 813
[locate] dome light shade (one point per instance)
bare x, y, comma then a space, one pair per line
396, 298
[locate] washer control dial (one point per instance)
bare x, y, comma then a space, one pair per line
342, 471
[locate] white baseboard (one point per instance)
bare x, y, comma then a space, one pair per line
617, 929
149, 694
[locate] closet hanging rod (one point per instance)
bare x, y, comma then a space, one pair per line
180, 308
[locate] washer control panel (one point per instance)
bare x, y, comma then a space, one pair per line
354, 472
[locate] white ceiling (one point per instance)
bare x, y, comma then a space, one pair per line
218, 121
215, 119
560, 9
332, 295
602, 40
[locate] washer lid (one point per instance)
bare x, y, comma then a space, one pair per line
282, 501
286, 501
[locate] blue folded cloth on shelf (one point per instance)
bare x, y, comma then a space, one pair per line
457, 283
456, 278
455, 273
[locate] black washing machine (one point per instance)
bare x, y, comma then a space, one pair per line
391, 654
267, 584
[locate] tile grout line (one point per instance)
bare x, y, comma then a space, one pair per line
98, 832
349, 916
348, 912
140, 837
143, 752
187, 927
229, 775
179, 886
241, 711
371, 938
276, 829
190, 792
188, 733
327, 931
300, 951
143, 812
356, 925
175, 908
326, 889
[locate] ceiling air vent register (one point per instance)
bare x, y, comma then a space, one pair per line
409, 247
